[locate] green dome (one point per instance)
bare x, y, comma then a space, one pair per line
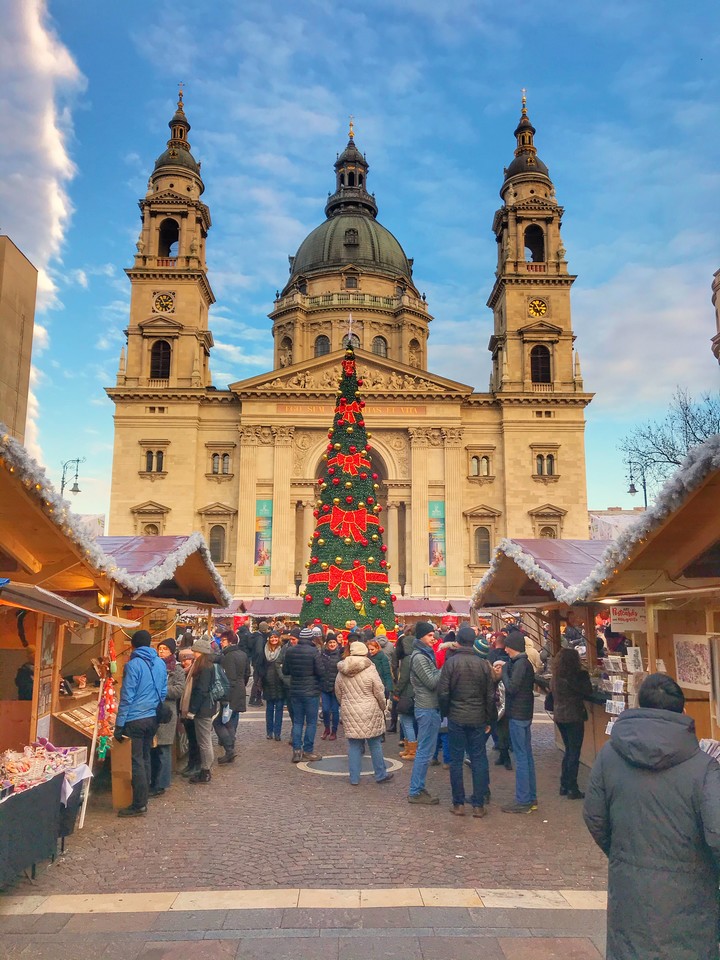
334, 244
174, 157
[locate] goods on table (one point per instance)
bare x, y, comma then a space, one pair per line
35, 764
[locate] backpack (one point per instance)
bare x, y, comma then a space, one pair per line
220, 687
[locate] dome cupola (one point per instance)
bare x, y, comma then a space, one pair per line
351, 194
526, 159
178, 149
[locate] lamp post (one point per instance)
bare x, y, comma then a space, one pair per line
67, 469
266, 591
638, 468
298, 583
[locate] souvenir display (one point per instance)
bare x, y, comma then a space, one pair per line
35, 764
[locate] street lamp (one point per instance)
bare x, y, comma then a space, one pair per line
640, 469
266, 591
67, 469
298, 583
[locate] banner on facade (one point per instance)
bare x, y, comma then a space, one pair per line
263, 537
436, 536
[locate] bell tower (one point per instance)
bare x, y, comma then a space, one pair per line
168, 340
532, 342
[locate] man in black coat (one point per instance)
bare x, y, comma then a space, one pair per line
236, 665
518, 676
302, 664
466, 694
257, 654
653, 808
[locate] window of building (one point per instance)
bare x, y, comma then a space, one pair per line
351, 179
550, 465
352, 339
482, 546
217, 543
216, 463
168, 238
534, 244
351, 283
286, 352
159, 461
484, 466
160, 354
475, 466
149, 461
151, 530
351, 237
226, 463
539, 465
380, 347
540, 364
322, 345
549, 533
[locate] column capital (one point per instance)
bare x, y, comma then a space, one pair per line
425, 436
392, 506
254, 434
453, 436
283, 435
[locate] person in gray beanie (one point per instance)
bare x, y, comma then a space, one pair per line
302, 665
518, 677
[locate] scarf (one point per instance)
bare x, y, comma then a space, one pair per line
272, 655
425, 651
187, 691
170, 663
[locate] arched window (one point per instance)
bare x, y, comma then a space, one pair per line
475, 466
159, 461
353, 339
539, 465
151, 530
534, 244
342, 179
360, 179
286, 352
322, 345
149, 458
482, 545
160, 360
485, 466
217, 543
351, 179
414, 353
168, 238
379, 346
540, 364
226, 463
550, 465
549, 533
216, 463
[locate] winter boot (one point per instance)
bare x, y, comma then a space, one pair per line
228, 758
189, 772
333, 735
410, 750
203, 776
325, 733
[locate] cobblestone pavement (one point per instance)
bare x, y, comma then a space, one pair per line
263, 823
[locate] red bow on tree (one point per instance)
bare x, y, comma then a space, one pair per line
348, 523
349, 367
349, 583
348, 410
350, 462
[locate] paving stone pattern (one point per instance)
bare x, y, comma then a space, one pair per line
262, 823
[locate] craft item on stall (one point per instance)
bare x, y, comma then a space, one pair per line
107, 710
34, 765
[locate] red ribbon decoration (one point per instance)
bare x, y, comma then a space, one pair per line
349, 367
349, 583
350, 462
348, 410
348, 523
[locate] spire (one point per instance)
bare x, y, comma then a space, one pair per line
178, 147
526, 158
351, 170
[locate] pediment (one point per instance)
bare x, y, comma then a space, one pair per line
217, 509
547, 511
482, 510
166, 195
149, 507
381, 377
536, 204
541, 329
156, 326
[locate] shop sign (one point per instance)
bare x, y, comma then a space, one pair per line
628, 618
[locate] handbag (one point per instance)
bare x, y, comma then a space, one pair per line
406, 706
549, 703
163, 711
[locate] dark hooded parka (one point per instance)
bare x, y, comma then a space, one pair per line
653, 807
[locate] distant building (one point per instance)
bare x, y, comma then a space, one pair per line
609, 524
18, 286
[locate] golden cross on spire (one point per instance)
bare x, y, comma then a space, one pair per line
180, 93
351, 135
524, 101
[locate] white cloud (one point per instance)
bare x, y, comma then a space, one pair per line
233, 353
41, 338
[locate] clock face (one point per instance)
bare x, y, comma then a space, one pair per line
164, 302
537, 308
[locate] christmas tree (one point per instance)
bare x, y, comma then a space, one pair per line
348, 569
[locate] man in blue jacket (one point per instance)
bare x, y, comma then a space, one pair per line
144, 686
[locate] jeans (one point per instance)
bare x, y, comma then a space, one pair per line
141, 733
226, 732
521, 739
274, 717
203, 732
471, 740
572, 735
407, 727
503, 736
305, 714
330, 711
428, 721
355, 752
161, 766
442, 743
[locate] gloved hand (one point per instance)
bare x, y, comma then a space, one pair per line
119, 734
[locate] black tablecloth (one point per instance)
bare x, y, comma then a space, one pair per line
29, 828
69, 813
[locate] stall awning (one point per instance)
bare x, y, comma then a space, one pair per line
29, 597
419, 607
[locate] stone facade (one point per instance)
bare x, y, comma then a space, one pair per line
18, 286
458, 469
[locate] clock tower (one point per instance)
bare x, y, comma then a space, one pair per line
168, 340
532, 343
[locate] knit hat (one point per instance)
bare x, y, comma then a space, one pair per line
263, 627
170, 644
141, 638
186, 654
306, 633
481, 646
423, 628
516, 641
466, 636
203, 645
358, 649
317, 631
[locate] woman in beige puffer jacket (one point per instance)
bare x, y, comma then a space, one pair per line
362, 700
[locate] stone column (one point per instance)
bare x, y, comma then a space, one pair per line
420, 438
408, 551
308, 529
245, 545
283, 555
393, 536
454, 471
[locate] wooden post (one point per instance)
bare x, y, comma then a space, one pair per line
652, 648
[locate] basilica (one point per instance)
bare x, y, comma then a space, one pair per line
458, 469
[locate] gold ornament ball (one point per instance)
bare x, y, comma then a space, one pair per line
376, 486
387, 589
321, 542
383, 603
350, 430
375, 537
371, 559
338, 559
348, 484
337, 446
323, 486
358, 605
323, 565
348, 540
336, 499
307, 565
324, 456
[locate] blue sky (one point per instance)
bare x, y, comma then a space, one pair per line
624, 96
